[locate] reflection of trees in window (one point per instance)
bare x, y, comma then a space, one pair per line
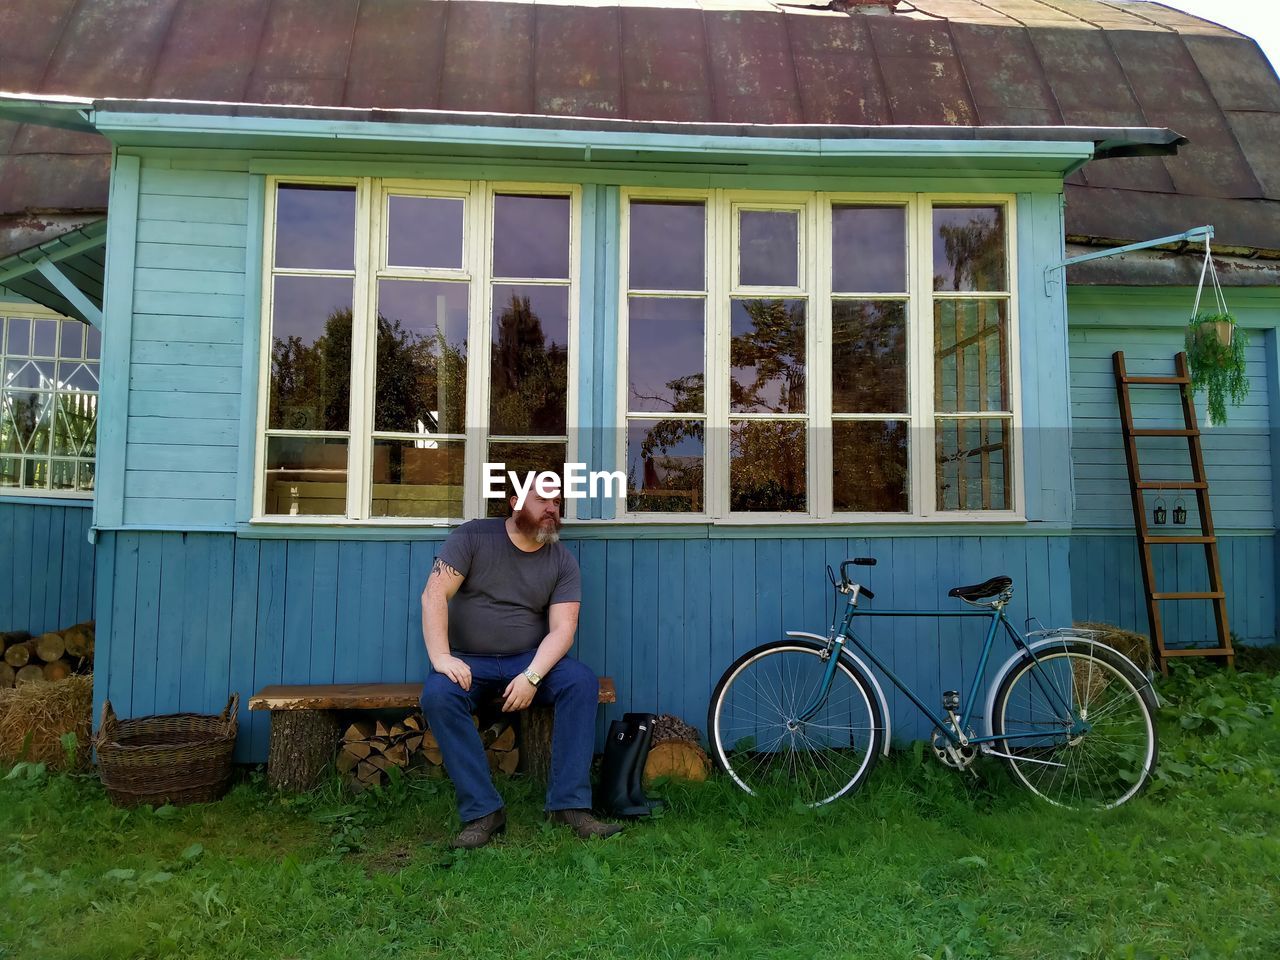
529, 377
311, 383
975, 253
869, 356
421, 380
767, 466
768, 358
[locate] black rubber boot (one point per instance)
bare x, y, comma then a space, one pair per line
643, 723
620, 754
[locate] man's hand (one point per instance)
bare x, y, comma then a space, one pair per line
518, 695
455, 669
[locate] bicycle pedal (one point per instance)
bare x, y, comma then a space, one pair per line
950, 700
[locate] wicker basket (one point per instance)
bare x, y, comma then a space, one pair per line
179, 758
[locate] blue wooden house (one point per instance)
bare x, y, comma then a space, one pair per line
280, 277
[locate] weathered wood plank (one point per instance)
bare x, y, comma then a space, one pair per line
361, 696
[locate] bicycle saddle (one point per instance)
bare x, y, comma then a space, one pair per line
981, 591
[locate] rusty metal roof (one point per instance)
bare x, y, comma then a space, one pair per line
944, 62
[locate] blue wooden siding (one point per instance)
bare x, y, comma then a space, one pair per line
190, 617
1106, 586
46, 565
185, 382
1237, 456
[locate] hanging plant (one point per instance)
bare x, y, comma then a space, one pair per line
1216, 349
1215, 353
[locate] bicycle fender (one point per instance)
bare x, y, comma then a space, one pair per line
1038, 645
866, 672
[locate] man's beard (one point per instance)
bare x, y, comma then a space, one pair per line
548, 532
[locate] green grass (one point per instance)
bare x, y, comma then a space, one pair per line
921, 863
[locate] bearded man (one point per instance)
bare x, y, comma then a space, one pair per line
498, 616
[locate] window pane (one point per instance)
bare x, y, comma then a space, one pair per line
664, 466
28, 375
869, 249
530, 371
316, 227
668, 246
77, 422
768, 248
62, 475
531, 237
424, 232
970, 343
422, 357
974, 464
869, 356
306, 476
85, 476
310, 354
968, 248
44, 341
870, 466
665, 354
766, 356
10, 472
92, 342
767, 466
523, 458
417, 478
72, 345
18, 343
26, 422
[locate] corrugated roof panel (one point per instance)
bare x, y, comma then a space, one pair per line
752, 74
1087, 81
305, 48
78, 182
209, 54
1119, 16
1238, 74
969, 11
1172, 93
398, 55
1134, 215
664, 65
839, 76
488, 60
1033, 13
922, 74
577, 63
29, 32
1258, 134
1184, 22
1005, 76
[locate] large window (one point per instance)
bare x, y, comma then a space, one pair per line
807, 355
48, 402
378, 403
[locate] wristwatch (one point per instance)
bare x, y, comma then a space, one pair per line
532, 677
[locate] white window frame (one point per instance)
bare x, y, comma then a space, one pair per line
815, 269
371, 266
34, 311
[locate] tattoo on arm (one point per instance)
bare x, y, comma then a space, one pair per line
443, 568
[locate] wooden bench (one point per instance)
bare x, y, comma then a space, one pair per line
305, 727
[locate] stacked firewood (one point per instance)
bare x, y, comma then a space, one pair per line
371, 749
50, 656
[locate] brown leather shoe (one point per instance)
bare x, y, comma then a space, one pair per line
584, 824
476, 833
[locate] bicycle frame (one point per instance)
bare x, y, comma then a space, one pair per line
995, 615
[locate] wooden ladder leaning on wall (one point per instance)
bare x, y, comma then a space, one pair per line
1199, 484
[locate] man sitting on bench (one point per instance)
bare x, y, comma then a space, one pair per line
498, 616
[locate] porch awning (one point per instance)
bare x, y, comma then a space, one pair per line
64, 274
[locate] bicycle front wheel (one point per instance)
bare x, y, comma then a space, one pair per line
1079, 726
772, 732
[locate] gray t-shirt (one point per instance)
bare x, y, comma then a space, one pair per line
501, 607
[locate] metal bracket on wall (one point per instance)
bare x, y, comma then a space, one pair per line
1196, 233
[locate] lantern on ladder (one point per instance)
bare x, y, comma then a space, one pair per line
1179, 511
1160, 515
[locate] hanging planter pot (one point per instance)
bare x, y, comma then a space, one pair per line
1216, 349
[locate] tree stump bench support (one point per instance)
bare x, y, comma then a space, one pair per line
305, 730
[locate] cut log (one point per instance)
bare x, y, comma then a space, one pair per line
535, 741
50, 647
10, 637
79, 639
346, 761
360, 730
29, 674
302, 746
18, 654
677, 760
7, 673
58, 670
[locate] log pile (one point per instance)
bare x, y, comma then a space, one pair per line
371, 749
51, 656
676, 752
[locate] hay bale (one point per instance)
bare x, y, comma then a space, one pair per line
34, 717
1135, 646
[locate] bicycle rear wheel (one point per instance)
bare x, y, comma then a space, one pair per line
1080, 723
759, 738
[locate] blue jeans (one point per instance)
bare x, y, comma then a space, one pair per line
570, 686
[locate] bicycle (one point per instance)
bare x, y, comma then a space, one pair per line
1073, 718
